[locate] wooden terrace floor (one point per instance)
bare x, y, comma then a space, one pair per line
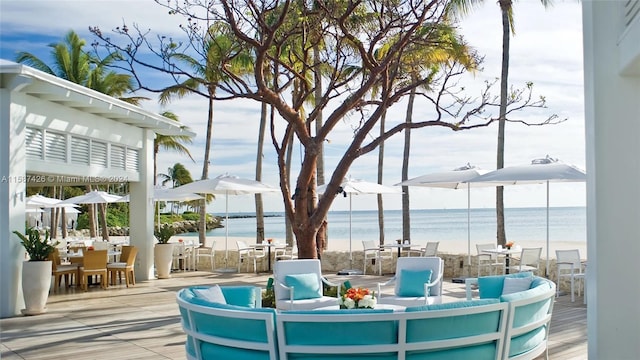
142, 322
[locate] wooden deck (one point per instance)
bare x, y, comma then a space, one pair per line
142, 322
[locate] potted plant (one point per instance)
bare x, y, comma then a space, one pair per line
36, 271
163, 252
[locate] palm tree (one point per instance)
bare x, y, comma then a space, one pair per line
424, 61
506, 10
170, 142
221, 52
177, 175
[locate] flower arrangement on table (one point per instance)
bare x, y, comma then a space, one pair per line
509, 245
357, 298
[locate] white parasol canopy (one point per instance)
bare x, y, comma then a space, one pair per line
40, 201
540, 171
93, 197
226, 185
457, 178
350, 187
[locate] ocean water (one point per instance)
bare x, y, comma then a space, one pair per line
522, 224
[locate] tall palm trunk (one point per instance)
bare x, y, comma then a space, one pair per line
202, 226
380, 173
500, 228
92, 217
320, 120
406, 219
287, 221
63, 215
259, 204
322, 237
102, 211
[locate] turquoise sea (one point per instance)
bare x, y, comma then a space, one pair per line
522, 224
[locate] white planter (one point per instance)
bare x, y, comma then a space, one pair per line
36, 281
163, 257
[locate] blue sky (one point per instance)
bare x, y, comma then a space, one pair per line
547, 50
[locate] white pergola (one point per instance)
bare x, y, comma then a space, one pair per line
54, 132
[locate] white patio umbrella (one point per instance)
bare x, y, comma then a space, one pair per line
39, 201
457, 178
93, 197
540, 171
226, 185
351, 187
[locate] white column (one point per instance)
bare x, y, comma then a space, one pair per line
12, 202
612, 111
141, 211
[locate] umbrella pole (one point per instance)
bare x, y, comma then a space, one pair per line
546, 269
226, 230
350, 242
226, 268
351, 270
468, 229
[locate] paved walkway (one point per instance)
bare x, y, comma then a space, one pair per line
142, 322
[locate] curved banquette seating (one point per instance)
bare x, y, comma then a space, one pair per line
509, 321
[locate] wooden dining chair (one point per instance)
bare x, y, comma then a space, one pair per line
94, 263
125, 265
58, 270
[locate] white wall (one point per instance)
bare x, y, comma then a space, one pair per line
612, 103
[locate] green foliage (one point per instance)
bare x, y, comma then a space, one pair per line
38, 249
269, 296
83, 221
192, 216
165, 233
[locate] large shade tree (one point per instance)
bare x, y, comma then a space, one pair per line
352, 33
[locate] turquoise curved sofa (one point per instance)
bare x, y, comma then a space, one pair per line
236, 329
496, 326
530, 309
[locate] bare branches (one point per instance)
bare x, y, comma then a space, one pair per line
371, 54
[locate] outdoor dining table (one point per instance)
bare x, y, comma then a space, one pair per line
506, 253
396, 246
80, 255
268, 246
110, 253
